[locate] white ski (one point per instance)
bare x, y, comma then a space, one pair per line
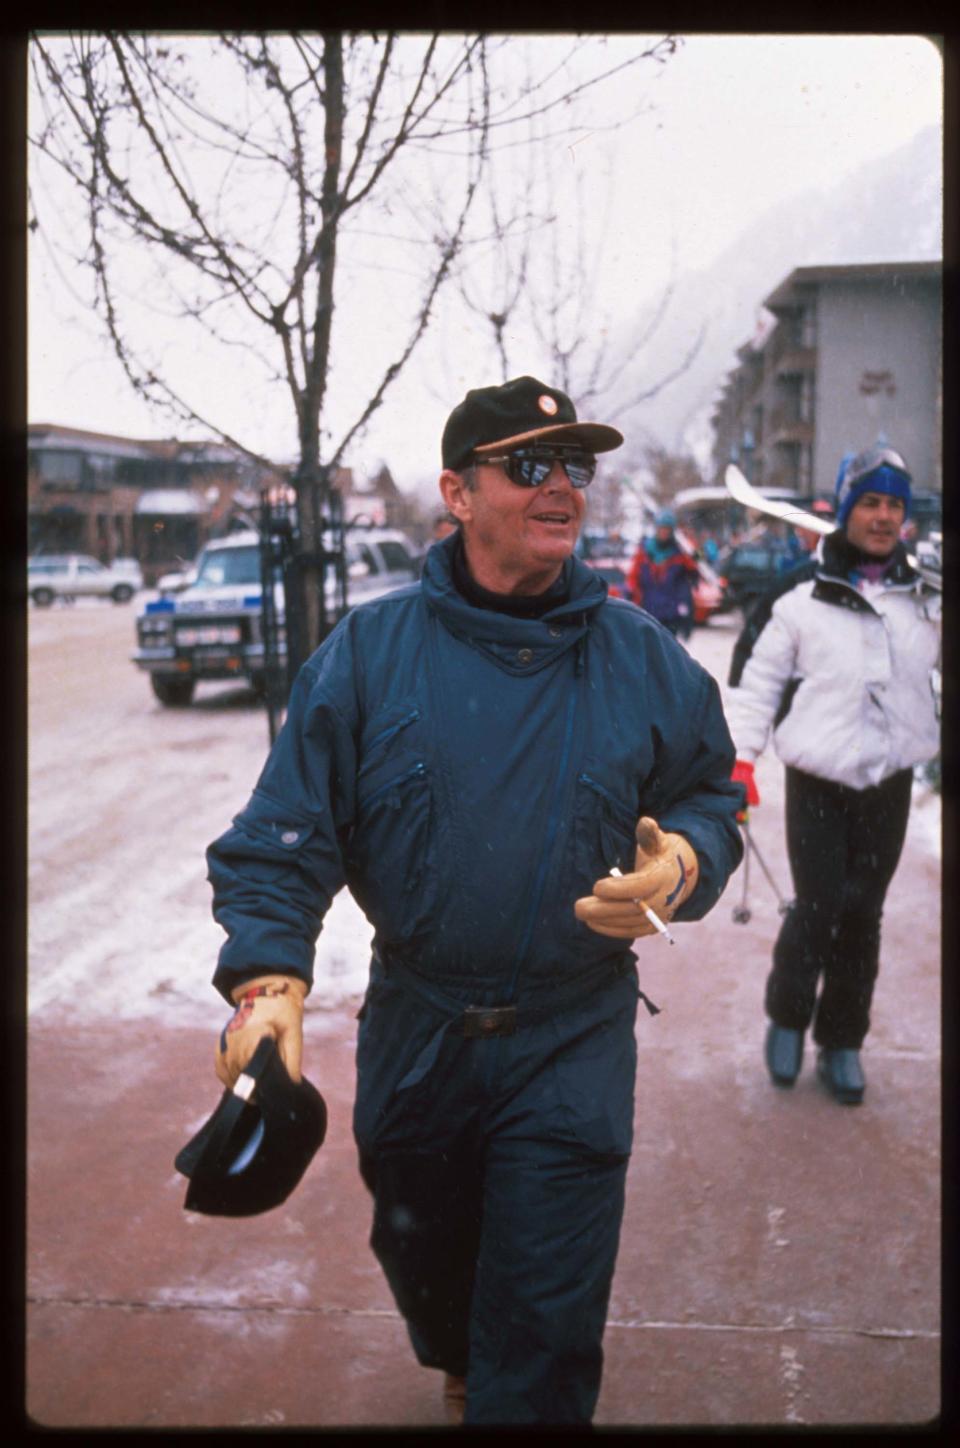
745, 493
708, 574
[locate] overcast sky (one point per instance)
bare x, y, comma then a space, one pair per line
740, 124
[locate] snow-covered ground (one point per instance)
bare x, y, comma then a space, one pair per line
124, 796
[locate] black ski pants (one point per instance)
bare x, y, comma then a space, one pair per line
844, 845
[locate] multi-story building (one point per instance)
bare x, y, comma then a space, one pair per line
158, 502
848, 355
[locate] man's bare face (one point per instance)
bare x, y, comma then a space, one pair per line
874, 523
518, 539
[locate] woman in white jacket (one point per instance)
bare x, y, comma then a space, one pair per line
839, 664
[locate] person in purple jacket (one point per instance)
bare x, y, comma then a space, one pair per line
662, 577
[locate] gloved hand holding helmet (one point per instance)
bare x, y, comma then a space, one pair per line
269, 1005
665, 873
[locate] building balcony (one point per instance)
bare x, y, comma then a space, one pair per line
795, 362
784, 429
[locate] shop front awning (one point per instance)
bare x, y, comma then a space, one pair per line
169, 502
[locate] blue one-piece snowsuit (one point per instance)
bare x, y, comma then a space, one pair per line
468, 774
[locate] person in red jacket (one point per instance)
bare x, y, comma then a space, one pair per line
662, 578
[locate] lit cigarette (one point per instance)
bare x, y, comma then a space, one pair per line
651, 915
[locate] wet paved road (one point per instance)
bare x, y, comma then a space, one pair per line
780, 1260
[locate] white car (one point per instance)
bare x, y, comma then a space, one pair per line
75, 575
129, 568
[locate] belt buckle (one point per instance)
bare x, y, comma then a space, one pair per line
489, 1021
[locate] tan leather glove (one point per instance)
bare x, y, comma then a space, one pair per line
270, 1005
665, 873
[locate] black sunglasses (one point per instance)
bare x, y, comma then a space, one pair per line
528, 467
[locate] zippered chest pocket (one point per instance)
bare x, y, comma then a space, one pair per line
391, 853
602, 836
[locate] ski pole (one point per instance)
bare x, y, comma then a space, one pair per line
783, 904
742, 912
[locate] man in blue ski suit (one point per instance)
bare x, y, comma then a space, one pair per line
470, 756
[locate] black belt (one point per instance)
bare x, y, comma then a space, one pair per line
489, 1021
477, 1022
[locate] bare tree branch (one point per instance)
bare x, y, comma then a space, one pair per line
448, 254
240, 282
254, 199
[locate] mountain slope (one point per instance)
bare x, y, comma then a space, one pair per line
889, 210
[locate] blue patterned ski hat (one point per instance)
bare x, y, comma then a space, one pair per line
875, 470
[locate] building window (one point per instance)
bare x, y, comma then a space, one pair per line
102, 468
130, 471
57, 468
806, 398
806, 469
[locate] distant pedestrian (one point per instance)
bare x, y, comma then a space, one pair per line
662, 577
839, 665
710, 548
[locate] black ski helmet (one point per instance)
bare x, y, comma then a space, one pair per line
255, 1148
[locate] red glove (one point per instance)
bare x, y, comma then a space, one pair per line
743, 774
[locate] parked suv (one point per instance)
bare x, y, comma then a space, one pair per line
213, 629
73, 575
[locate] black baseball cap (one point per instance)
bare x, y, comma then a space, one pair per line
251, 1153
518, 412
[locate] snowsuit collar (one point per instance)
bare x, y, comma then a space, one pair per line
517, 605
838, 573
840, 561
517, 645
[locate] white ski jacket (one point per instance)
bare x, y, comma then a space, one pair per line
843, 677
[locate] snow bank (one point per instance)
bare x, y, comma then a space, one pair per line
103, 974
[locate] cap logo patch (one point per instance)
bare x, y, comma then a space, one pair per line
547, 404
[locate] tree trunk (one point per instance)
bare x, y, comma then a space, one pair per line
306, 621
311, 623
